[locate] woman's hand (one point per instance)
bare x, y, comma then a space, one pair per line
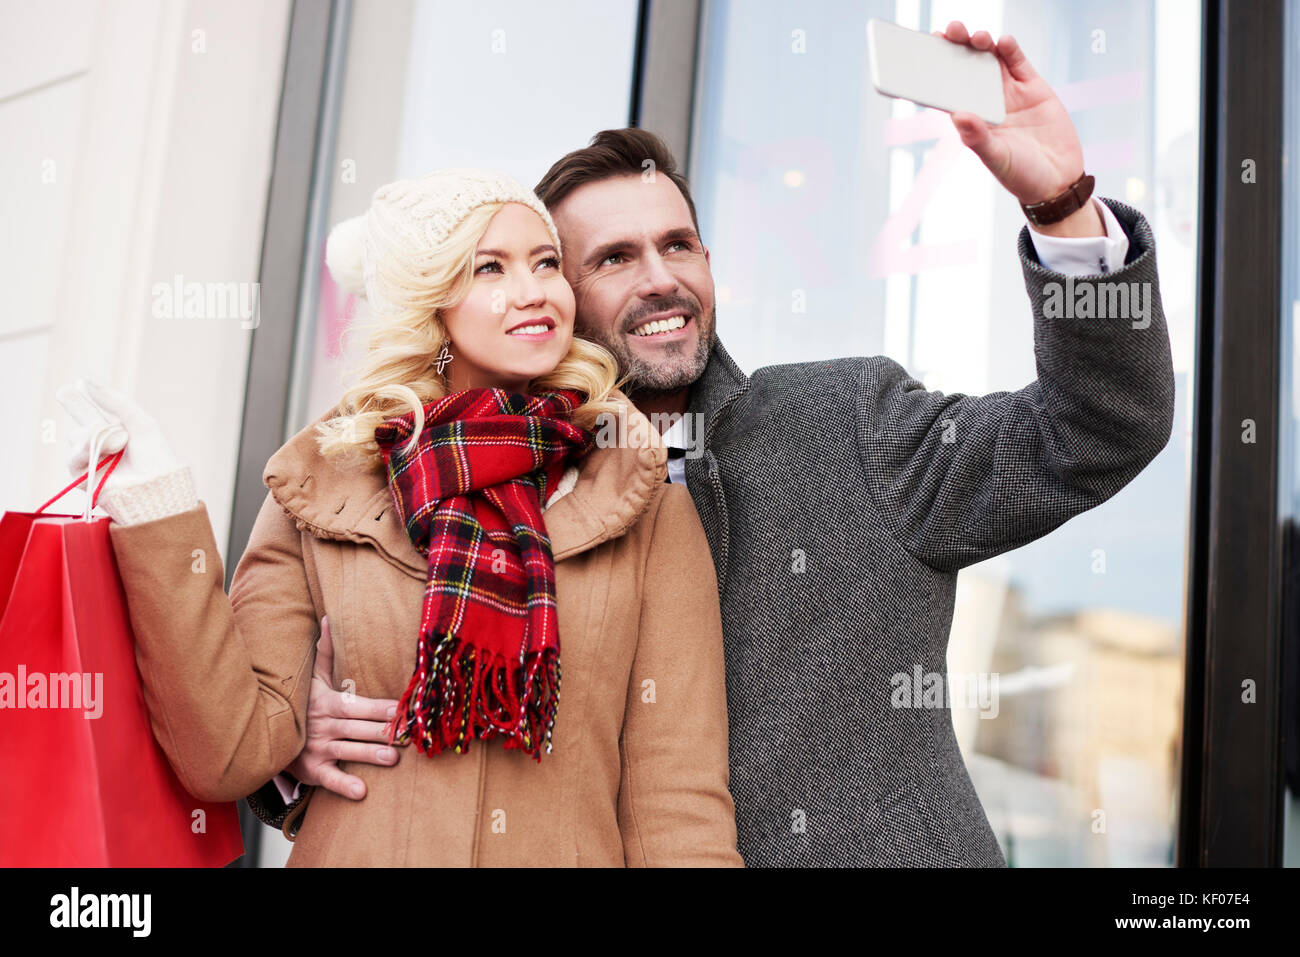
338, 725
147, 454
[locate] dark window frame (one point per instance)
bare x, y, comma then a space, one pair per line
1230, 799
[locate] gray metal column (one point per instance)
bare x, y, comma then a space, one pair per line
663, 85
286, 256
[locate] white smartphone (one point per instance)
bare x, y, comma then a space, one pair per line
932, 71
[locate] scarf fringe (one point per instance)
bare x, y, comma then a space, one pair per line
470, 698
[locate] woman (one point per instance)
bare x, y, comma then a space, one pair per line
546, 609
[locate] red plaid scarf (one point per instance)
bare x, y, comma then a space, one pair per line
470, 496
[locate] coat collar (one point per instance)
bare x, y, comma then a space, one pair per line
615, 486
720, 384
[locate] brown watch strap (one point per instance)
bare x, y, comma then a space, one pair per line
1058, 207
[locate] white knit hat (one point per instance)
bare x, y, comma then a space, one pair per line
411, 217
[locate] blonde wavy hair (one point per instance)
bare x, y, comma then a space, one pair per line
404, 334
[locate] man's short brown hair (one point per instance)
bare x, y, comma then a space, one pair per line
612, 153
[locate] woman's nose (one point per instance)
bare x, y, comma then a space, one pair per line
528, 291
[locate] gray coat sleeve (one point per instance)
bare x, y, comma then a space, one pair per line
963, 478
268, 806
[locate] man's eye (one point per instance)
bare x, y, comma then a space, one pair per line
491, 262
680, 242
611, 256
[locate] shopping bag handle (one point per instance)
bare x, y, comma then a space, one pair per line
109, 463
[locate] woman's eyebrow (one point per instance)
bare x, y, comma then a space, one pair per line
502, 254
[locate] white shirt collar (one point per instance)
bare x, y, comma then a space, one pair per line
673, 437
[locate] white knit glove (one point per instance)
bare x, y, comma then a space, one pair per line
149, 482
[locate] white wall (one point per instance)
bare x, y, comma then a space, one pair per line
138, 144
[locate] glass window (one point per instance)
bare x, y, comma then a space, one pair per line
506, 85
842, 222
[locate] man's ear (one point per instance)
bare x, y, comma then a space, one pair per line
706, 254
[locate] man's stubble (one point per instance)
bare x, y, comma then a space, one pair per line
646, 379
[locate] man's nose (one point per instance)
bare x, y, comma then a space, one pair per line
656, 278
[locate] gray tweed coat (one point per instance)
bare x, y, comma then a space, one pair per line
889, 490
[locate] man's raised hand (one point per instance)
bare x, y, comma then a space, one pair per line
1035, 154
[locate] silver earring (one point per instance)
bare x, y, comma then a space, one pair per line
444, 356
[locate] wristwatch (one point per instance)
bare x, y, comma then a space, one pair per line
1058, 207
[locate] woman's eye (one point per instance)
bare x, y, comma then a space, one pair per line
494, 266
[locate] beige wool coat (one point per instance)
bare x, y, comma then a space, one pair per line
639, 773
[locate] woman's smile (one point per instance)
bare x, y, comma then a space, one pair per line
539, 330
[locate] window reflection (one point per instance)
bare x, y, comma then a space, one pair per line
845, 223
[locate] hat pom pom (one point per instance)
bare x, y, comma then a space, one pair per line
345, 255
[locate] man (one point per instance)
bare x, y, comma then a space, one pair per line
840, 499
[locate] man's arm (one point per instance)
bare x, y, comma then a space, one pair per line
1082, 255
269, 806
962, 478
340, 727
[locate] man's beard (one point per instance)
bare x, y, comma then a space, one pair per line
676, 372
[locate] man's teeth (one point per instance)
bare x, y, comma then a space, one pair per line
660, 325
530, 330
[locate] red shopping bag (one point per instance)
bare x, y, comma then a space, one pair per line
83, 783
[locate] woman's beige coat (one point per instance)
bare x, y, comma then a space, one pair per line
638, 774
